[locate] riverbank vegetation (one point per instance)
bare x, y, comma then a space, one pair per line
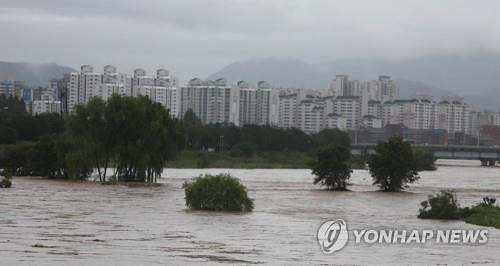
221, 192
445, 206
132, 134
332, 168
249, 140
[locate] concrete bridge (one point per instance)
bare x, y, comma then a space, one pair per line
488, 155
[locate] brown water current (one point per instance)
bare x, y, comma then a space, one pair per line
46, 222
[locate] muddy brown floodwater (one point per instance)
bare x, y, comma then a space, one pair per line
44, 222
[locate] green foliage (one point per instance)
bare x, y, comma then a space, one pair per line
7, 135
203, 161
190, 119
263, 138
43, 157
483, 215
217, 193
393, 165
12, 106
332, 168
78, 165
440, 206
133, 132
243, 150
424, 159
29, 128
5, 182
358, 162
487, 202
331, 137
267, 138
445, 206
14, 158
16, 125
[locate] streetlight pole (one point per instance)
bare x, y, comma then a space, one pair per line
478, 136
221, 144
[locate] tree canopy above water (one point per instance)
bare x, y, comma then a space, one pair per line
137, 135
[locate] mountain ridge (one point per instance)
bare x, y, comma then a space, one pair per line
439, 76
32, 74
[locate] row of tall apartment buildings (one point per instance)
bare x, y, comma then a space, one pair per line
346, 104
350, 105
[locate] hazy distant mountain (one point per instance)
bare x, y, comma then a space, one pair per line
472, 76
32, 74
278, 71
408, 89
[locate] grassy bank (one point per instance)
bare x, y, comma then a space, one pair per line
484, 216
261, 160
445, 206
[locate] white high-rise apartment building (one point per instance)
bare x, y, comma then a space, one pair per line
288, 104
159, 89
310, 115
255, 105
339, 86
453, 115
86, 84
349, 107
209, 100
387, 89
384, 89
423, 113
334, 120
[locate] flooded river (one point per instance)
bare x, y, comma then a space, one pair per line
44, 222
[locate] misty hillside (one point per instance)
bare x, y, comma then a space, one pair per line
277, 71
32, 74
438, 76
408, 89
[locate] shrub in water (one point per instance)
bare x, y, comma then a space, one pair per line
440, 206
217, 193
424, 159
6, 183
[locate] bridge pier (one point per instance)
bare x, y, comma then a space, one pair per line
488, 162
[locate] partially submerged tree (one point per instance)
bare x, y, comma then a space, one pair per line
424, 159
393, 166
133, 132
217, 193
331, 137
5, 182
14, 158
332, 167
441, 206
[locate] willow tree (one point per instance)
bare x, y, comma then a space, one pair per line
91, 130
133, 133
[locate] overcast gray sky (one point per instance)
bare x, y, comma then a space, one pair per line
198, 37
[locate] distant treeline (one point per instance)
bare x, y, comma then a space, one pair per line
131, 134
17, 125
255, 138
